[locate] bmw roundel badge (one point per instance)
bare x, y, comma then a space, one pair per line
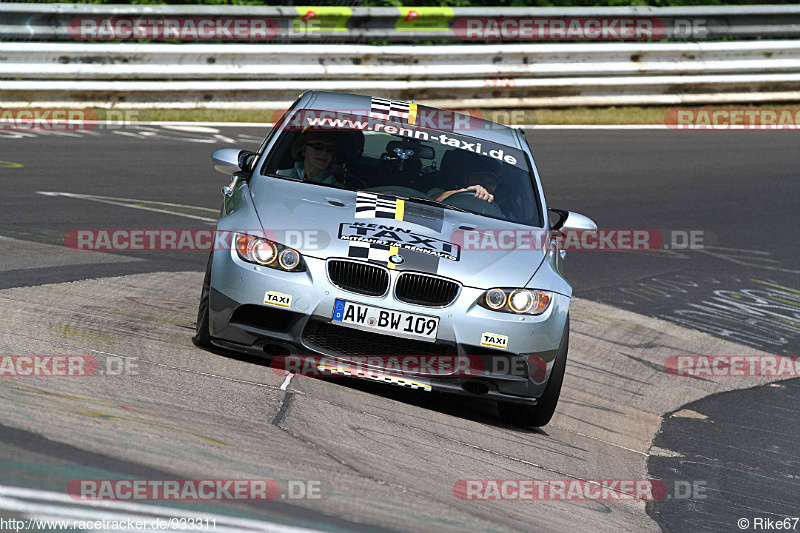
397, 259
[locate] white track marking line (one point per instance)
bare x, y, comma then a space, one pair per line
123, 202
286, 381
77, 514
14, 499
209, 124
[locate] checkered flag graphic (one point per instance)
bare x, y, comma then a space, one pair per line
369, 251
375, 206
385, 109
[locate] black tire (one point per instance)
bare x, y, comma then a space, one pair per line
202, 337
540, 414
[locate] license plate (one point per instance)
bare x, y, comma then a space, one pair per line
396, 323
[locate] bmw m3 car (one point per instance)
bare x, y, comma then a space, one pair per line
396, 242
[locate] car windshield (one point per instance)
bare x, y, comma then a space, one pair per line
400, 159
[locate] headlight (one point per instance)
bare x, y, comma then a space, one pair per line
518, 301
521, 301
496, 298
264, 252
289, 259
267, 253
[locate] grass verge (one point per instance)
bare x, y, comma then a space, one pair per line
566, 116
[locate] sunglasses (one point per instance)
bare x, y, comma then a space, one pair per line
320, 147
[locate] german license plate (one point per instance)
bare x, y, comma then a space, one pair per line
398, 323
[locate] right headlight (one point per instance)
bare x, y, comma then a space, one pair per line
267, 253
517, 301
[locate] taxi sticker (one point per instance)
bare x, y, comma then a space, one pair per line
277, 299
493, 340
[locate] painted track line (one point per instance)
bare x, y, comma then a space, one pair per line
52, 505
134, 204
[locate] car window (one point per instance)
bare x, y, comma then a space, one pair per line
361, 153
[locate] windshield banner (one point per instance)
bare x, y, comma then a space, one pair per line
337, 121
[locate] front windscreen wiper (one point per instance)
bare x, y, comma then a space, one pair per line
428, 201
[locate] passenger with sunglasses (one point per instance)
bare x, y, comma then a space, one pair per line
314, 153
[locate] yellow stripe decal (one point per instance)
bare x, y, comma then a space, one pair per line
412, 113
399, 209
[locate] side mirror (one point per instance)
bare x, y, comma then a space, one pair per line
230, 160
226, 160
571, 221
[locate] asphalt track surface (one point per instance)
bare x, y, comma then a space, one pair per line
387, 458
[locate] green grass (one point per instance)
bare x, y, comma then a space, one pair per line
571, 115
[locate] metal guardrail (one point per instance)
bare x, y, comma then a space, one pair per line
123, 61
319, 52
29, 21
482, 76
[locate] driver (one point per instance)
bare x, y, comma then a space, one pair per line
482, 177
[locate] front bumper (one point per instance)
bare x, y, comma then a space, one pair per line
239, 319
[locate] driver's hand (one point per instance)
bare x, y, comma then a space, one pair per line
480, 192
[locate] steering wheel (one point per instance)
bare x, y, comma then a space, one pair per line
347, 178
467, 200
350, 178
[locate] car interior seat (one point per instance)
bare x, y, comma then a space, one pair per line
450, 174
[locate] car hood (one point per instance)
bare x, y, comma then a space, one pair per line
325, 222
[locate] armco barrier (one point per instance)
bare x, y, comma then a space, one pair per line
30, 21
126, 61
316, 48
476, 75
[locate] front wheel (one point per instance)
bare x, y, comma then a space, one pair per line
202, 337
540, 414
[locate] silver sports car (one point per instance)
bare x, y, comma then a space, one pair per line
396, 242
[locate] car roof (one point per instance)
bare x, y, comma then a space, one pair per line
361, 104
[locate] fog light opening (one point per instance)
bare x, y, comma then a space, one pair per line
475, 387
276, 350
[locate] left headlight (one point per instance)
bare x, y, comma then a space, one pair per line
267, 253
517, 301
